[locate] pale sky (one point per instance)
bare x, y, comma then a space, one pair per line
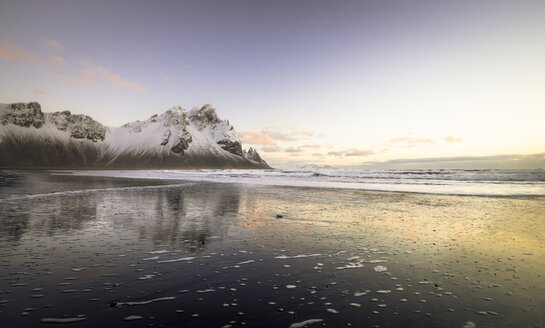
327, 82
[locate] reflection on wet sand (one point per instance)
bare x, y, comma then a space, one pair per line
204, 254
163, 215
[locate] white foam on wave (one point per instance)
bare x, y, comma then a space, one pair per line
450, 182
237, 265
189, 258
168, 298
163, 251
285, 257
246, 262
354, 265
151, 258
146, 277
305, 323
86, 191
208, 290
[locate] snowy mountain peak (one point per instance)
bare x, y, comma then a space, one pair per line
204, 116
253, 156
174, 139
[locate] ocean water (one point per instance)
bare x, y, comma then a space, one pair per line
446, 182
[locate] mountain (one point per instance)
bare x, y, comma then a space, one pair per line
314, 167
305, 167
175, 139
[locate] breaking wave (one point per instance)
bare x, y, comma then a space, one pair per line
450, 182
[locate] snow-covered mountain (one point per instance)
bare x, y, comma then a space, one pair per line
314, 167
175, 139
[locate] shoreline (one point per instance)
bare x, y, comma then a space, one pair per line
187, 180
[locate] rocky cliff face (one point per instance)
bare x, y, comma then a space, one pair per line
24, 115
79, 126
174, 139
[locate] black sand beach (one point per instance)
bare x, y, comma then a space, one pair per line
110, 252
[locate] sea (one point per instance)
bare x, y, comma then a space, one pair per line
488, 182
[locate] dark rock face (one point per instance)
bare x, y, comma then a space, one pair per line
174, 117
80, 126
25, 115
60, 119
230, 146
181, 145
205, 115
84, 127
166, 137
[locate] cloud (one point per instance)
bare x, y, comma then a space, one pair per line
279, 135
270, 136
293, 150
118, 81
9, 51
311, 146
88, 73
451, 139
290, 127
270, 149
91, 74
290, 149
298, 132
411, 140
398, 140
54, 45
40, 92
255, 138
515, 161
306, 133
352, 152
357, 152
56, 62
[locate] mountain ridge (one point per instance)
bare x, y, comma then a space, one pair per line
198, 138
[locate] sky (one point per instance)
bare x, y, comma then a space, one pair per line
344, 83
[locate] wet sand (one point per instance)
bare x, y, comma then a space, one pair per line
113, 252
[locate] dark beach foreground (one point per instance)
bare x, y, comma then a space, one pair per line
110, 252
